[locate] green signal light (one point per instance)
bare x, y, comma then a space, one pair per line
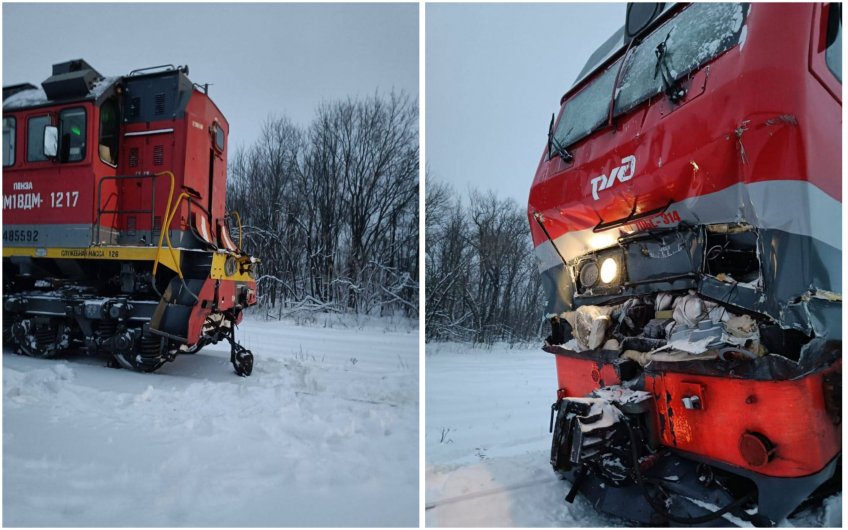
76, 130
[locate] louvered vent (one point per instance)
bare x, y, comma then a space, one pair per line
158, 155
133, 156
159, 104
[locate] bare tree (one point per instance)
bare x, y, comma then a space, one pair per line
482, 281
332, 210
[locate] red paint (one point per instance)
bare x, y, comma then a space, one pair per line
579, 377
184, 146
774, 99
746, 85
791, 414
185, 152
50, 177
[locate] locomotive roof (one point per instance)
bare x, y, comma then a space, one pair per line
36, 97
610, 47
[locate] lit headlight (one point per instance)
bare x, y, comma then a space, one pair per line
609, 270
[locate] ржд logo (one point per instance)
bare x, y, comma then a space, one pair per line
623, 173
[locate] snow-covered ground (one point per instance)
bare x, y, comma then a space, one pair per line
488, 446
324, 433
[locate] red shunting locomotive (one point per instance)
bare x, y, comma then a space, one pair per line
686, 215
116, 238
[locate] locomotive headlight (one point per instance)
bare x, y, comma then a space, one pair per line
609, 270
589, 274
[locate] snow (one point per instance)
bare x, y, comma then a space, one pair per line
488, 445
37, 96
25, 98
487, 442
102, 85
324, 433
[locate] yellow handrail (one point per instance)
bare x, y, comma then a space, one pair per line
166, 225
180, 197
238, 220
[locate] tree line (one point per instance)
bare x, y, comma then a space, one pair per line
331, 209
482, 281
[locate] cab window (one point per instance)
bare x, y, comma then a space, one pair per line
833, 52
35, 138
107, 144
219, 138
72, 135
8, 141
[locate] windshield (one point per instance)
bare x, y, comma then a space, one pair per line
693, 37
587, 110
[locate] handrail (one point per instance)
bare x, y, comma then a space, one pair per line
165, 225
166, 232
95, 233
181, 196
238, 220
167, 68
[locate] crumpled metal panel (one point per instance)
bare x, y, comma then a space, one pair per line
669, 254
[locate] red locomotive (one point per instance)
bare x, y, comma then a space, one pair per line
686, 215
116, 238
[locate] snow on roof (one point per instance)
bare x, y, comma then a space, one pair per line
36, 96
25, 98
100, 86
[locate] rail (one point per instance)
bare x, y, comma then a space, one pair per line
101, 209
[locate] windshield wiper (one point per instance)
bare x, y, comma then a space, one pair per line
673, 89
554, 147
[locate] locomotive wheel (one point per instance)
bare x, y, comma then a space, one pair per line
40, 338
148, 355
242, 360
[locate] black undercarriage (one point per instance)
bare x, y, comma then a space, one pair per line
111, 313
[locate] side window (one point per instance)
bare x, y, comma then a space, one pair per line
8, 141
72, 135
107, 144
219, 138
833, 52
35, 138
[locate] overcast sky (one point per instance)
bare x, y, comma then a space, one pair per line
495, 73
259, 58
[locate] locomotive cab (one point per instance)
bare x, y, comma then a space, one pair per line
116, 237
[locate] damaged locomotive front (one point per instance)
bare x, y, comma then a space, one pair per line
686, 374
691, 252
